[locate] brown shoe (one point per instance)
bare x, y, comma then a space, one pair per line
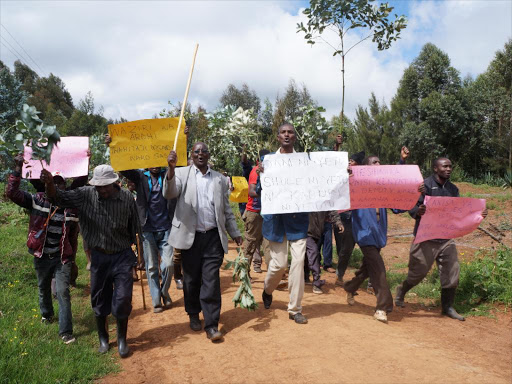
330, 270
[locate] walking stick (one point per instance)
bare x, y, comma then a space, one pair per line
185, 98
140, 272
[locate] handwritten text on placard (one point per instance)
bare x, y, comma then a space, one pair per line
69, 157
385, 186
302, 182
146, 143
449, 217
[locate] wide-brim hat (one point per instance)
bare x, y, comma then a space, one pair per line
103, 175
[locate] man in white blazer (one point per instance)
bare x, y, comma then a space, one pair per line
202, 217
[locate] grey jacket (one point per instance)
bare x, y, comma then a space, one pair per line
183, 187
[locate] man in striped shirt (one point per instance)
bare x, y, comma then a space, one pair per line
109, 222
52, 239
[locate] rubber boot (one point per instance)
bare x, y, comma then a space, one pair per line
447, 300
401, 290
122, 345
101, 324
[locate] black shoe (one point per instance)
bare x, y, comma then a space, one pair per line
167, 303
102, 325
399, 299
267, 299
452, 313
195, 323
299, 318
122, 345
213, 334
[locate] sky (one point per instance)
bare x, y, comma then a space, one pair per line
135, 56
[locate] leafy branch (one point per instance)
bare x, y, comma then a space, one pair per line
243, 296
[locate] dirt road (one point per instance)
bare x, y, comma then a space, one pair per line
340, 344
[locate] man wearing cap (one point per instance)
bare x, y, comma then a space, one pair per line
52, 239
203, 216
109, 224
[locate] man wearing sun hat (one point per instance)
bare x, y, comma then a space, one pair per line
109, 224
52, 235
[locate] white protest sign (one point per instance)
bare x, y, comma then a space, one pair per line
302, 182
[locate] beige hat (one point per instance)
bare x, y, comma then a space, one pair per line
103, 175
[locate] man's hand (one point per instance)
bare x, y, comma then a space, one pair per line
46, 177
89, 153
172, 159
238, 240
404, 153
421, 210
341, 229
108, 140
18, 162
484, 213
186, 130
349, 170
260, 168
421, 188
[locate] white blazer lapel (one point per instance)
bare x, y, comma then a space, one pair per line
192, 188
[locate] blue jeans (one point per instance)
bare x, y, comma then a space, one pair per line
155, 243
326, 242
45, 269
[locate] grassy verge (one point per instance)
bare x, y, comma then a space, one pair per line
483, 282
30, 351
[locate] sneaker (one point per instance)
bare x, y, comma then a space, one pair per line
47, 320
329, 269
350, 298
68, 338
167, 303
317, 290
257, 270
339, 282
381, 316
179, 284
158, 309
299, 318
369, 289
307, 281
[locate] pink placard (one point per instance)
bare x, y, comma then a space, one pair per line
385, 186
69, 157
449, 217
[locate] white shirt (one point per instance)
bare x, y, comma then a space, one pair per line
205, 203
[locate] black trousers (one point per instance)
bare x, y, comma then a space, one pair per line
201, 279
344, 246
373, 267
112, 283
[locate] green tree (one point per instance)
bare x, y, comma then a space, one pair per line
52, 90
243, 97
85, 120
289, 107
12, 98
430, 110
343, 16
26, 76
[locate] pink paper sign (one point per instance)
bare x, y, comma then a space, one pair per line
449, 217
69, 158
385, 186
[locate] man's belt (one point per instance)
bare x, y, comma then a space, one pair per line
208, 231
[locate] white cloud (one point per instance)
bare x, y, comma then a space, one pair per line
135, 56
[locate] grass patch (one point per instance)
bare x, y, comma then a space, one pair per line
33, 352
491, 205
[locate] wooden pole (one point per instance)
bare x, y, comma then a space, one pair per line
140, 272
185, 98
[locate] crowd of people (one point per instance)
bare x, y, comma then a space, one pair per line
183, 217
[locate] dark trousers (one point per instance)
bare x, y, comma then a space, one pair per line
326, 242
112, 283
201, 279
46, 268
373, 267
313, 260
344, 247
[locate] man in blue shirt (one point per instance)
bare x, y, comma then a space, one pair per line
281, 231
369, 227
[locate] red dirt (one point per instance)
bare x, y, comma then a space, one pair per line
339, 344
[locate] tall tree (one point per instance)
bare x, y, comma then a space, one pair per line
12, 98
430, 110
51, 90
288, 107
26, 75
343, 16
243, 97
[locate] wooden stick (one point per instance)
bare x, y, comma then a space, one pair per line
491, 235
140, 272
185, 98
